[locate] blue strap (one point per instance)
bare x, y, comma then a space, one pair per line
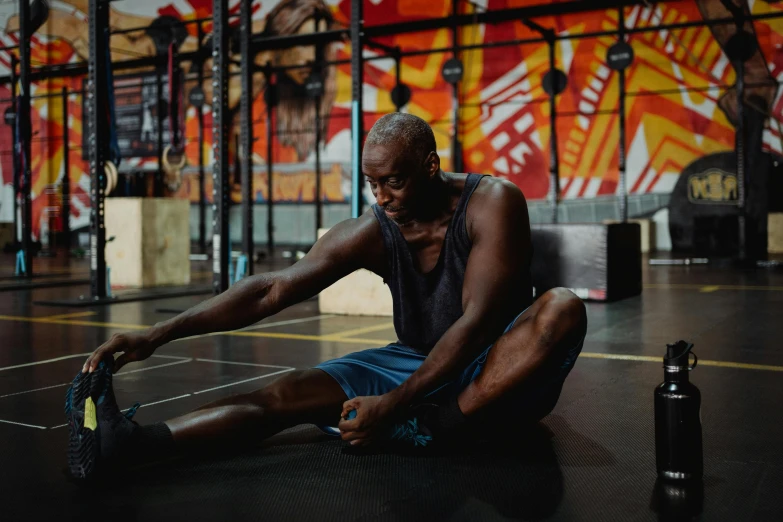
241, 268
20, 265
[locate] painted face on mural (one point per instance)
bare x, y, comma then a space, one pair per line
400, 182
302, 55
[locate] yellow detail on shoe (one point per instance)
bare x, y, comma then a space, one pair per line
90, 420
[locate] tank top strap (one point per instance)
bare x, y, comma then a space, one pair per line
459, 228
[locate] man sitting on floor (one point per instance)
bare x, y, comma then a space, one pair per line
454, 250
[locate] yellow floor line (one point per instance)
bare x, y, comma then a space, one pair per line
702, 362
382, 342
69, 316
72, 322
709, 289
664, 286
357, 331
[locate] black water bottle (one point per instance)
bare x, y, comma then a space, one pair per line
678, 446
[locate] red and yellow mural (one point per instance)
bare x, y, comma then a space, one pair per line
678, 109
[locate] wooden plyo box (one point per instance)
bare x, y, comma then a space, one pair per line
775, 233
359, 293
6, 234
151, 245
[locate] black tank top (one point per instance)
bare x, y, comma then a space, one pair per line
426, 305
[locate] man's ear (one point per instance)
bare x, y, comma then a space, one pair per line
432, 164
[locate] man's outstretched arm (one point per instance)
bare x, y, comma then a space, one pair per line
339, 252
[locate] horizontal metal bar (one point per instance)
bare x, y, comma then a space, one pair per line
270, 43
160, 28
498, 16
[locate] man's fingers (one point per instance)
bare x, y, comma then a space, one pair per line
349, 425
353, 435
121, 361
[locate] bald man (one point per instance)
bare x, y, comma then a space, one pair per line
454, 250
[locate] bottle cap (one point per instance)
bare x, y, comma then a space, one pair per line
678, 354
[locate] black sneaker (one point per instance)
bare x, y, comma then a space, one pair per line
98, 430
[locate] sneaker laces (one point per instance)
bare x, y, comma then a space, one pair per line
409, 432
132, 411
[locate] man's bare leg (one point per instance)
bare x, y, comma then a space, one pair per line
553, 325
102, 438
306, 396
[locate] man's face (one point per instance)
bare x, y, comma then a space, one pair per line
301, 55
400, 184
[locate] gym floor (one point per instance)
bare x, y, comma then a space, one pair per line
593, 458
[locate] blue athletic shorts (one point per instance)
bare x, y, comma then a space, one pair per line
379, 370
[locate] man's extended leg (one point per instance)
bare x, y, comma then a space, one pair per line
306, 396
101, 437
536, 345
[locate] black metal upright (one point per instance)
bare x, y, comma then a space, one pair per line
221, 127
623, 181
554, 160
25, 134
97, 101
65, 188
456, 148
202, 178
15, 154
270, 135
739, 144
319, 204
317, 104
357, 109
158, 185
246, 131
397, 75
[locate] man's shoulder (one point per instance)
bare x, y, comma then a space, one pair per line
496, 204
497, 193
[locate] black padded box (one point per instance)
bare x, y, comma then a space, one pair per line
601, 262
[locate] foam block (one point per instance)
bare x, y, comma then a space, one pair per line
597, 261
359, 293
775, 233
151, 245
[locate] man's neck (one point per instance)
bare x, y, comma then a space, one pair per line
437, 200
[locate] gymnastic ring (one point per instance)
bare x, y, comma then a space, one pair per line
111, 176
167, 166
173, 172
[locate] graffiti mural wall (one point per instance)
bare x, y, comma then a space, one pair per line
504, 119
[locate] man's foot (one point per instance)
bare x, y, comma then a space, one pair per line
419, 430
98, 430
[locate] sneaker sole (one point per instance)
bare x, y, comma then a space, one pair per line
83, 443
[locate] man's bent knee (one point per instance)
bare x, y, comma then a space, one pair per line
562, 315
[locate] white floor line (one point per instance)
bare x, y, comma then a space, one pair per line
290, 321
244, 381
171, 357
46, 361
35, 390
165, 400
186, 360
174, 398
243, 363
25, 425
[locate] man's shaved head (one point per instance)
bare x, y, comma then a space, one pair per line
411, 134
